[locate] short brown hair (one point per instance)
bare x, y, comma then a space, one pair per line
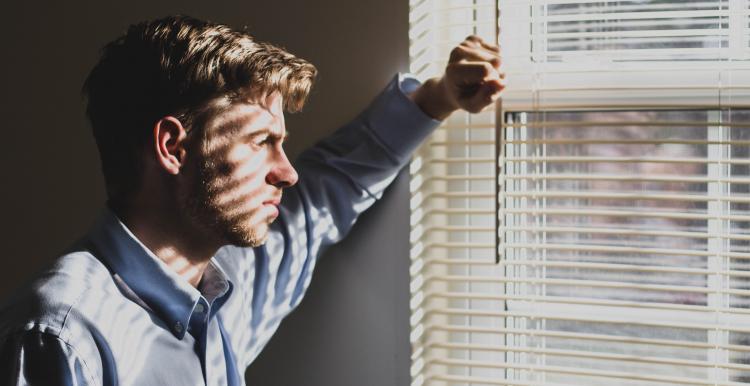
175, 66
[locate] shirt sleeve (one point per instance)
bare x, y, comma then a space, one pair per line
38, 358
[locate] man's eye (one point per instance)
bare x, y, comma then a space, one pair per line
262, 140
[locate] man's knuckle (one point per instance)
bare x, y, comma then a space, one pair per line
458, 52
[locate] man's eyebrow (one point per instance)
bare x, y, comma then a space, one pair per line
270, 133
237, 126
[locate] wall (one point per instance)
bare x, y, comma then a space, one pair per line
352, 329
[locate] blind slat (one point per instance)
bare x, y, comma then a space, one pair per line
582, 301
590, 319
588, 265
586, 337
587, 355
552, 159
585, 372
622, 213
587, 283
629, 177
489, 381
621, 196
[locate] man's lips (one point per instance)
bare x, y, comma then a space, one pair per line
274, 201
273, 204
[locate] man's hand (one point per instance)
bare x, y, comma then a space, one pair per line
472, 80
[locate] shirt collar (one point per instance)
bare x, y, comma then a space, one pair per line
167, 294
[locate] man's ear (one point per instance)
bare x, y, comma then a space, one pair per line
169, 144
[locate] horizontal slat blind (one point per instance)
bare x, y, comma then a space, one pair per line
621, 214
631, 53
454, 210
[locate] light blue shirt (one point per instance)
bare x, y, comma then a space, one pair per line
109, 312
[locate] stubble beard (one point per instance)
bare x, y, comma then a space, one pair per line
201, 203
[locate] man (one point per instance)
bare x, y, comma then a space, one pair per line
199, 256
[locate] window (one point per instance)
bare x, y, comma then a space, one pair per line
593, 228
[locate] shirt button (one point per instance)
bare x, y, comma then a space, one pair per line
199, 307
178, 327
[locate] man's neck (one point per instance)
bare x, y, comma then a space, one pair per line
185, 251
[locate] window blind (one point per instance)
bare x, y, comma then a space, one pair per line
594, 227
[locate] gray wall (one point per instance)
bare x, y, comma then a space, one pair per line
352, 329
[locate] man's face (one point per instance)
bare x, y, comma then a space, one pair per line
234, 181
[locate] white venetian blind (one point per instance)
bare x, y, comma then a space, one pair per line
593, 228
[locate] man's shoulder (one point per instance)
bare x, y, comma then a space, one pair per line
74, 282
57, 314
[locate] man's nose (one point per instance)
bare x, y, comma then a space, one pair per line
282, 175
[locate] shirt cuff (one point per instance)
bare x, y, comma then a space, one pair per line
396, 120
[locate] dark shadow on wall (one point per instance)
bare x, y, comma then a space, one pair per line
353, 326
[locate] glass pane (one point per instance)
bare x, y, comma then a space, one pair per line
644, 210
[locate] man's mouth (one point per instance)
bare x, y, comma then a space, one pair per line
272, 205
274, 201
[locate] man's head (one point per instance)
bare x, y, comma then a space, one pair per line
198, 108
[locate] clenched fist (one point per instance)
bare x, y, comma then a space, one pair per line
472, 80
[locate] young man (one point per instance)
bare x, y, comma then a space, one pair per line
210, 236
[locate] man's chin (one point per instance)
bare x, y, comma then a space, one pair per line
248, 237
